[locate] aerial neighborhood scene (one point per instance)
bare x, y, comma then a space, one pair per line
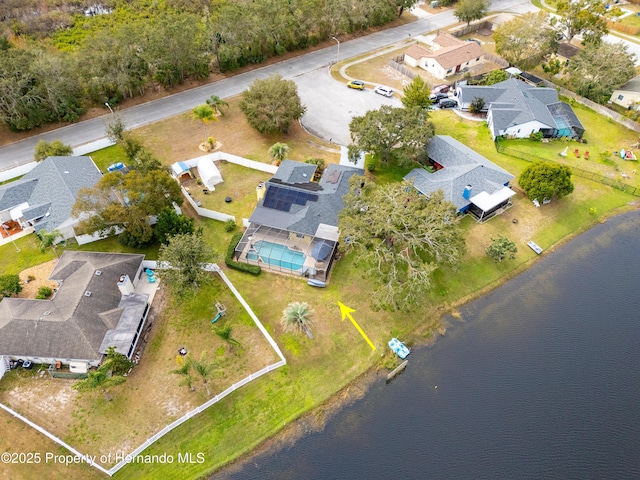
223, 223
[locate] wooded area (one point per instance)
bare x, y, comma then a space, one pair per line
59, 57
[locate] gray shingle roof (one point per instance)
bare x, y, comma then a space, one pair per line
514, 102
306, 218
462, 167
75, 325
51, 187
632, 85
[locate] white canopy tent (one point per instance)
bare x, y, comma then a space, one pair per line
209, 173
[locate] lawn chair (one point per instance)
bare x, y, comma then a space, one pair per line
577, 153
586, 155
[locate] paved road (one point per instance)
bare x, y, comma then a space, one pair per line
302, 69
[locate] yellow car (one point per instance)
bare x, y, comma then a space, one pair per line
357, 84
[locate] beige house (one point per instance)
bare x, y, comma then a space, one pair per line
448, 56
628, 95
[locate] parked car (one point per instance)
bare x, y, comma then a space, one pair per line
474, 40
382, 90
356, 84
440, 89
435, 97
447, 103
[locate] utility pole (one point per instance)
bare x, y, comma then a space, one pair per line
338, 54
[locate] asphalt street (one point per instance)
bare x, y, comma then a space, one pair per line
330, 105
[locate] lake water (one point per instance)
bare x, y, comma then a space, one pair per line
540, 380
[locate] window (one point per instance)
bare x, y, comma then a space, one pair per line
449, 71
478, 59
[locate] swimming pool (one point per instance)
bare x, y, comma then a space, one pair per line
277, 255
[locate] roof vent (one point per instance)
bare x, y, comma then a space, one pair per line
46, 313
98, 272
87, 293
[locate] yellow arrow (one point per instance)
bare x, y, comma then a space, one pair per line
346, 312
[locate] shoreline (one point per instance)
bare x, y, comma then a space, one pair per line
315, 419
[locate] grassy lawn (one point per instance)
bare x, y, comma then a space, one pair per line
108, 156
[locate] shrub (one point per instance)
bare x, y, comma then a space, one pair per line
231, 263
230, 225
501, 248
44, 292
536, 136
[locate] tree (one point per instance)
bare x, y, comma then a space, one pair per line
597, 70
125, 202
217, 104
170, 223
184, 255
581, 17
495, 76
393, 133
271, 104
399, 238
185, 372
10, 285
470, 10
416, 94
205, 114
278, 152
204, 369
501, 248
296, 318
48, 239
476, 105
115, 128
109, 374
526, 40
405, 5
546, 180
55, 148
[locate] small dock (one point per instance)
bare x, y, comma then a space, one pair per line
397, 371
535, 247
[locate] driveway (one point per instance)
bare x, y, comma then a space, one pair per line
331, 104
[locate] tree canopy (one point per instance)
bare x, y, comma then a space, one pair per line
470, 10
390, 133
125, 202
55, 148
526, 40
185, 254
416, 94
272, 104
495, 76
542, 180
501, 248
598, 69
581, 17
10, 285
399, 238
170, 223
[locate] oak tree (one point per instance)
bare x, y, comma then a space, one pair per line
184, 255
470, 10
416, 94
542, 180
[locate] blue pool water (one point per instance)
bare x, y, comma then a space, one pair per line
277, 255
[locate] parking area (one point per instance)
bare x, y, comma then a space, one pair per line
331, 104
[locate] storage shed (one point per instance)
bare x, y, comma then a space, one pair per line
209, 173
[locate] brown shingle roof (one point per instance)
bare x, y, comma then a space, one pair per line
417, 52
449, 57
446, 40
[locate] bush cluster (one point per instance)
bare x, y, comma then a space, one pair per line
231, 263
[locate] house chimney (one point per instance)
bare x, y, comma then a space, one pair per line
261, 190
125, 285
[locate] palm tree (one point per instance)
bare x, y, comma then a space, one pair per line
296, 318
278, 152
205, 114
217, 103
187, 379
203, 368
48, 239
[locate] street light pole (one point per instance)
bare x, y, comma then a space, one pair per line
109, 107
338, 54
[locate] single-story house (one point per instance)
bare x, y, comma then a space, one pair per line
628, 95
42, 199
448, 56
471, 182
566, 52
294, 227
95, 306
516, 109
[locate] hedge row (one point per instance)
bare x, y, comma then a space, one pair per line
231, 263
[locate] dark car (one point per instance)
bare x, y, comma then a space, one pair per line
448, 103
436, 97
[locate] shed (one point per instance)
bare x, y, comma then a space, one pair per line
209, 173
179, 169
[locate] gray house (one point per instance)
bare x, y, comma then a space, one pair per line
95, 306
294, 227
516, 109
43, 198
472, 183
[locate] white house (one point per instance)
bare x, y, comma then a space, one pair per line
628, 95
448, 56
